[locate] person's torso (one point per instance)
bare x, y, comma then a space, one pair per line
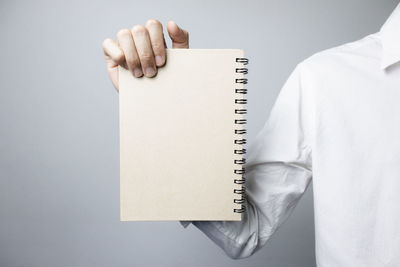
356, 156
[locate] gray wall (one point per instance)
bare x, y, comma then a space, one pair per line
59, 168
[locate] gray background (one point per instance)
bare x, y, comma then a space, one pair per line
59, 147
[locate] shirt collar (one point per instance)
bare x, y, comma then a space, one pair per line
390, 36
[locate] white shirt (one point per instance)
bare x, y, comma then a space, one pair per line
336, 121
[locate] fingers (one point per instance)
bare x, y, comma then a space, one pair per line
155, 30
142, 42
113, 51
142, 49
128, 47
113, 56
179, 37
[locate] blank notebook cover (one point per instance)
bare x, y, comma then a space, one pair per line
181, 138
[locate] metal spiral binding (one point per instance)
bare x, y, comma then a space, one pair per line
240, 141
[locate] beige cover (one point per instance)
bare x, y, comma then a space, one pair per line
177, 138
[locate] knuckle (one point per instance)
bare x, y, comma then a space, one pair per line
120, 57
123, 33
138, 29
153, 22
133, 63
157, 47
146, 59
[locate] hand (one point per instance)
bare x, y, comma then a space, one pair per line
141, 49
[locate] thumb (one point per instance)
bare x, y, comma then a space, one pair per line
179, 37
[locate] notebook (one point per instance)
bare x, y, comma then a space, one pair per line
182, 138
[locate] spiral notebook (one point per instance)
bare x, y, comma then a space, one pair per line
182, 138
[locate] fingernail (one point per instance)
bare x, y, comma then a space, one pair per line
137, 72
159, 61
150, 72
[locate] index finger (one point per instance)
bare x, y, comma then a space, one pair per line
113, 52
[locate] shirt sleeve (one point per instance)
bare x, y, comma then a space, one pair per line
278, 171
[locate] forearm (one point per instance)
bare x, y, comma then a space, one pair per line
238, 239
